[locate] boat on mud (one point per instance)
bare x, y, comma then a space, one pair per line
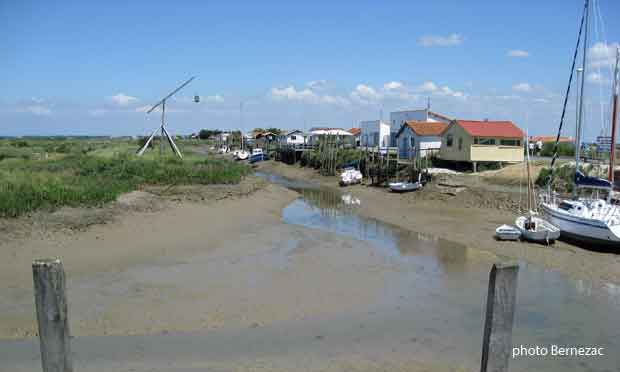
536, 229
592, 219
258, 155
400, 187
507, 232
350, 176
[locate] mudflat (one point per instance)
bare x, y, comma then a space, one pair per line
468, 217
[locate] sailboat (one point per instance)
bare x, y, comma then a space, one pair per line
532, 226
591, 220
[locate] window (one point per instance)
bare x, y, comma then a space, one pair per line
293, 138
460, 143
484, 141
510, 142
412, 141
449, 140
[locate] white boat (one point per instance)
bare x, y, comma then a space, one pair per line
536, 229
591, 219
532, 227
243, 155
507, 232
350, 176
405, 186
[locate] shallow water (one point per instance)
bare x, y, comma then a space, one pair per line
426, 302
451, 281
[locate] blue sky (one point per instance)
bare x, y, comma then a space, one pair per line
78, 67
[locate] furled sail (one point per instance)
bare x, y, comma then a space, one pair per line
581, 180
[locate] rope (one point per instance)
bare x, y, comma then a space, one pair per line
570, 80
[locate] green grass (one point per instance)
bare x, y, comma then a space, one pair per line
90, 174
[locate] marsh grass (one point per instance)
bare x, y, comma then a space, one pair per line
80, 179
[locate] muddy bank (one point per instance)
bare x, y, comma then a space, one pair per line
149, 199
468, 216
97, 245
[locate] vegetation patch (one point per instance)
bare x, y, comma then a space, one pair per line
81, 179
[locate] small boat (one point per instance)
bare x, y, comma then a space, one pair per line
406, 186
536, 229
243, 155
350, 176
258, 157
506, 232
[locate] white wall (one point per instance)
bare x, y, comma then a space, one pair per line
296, 138
397, 119
374, 133
421, 144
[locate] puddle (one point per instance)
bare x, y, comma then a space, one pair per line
446, 283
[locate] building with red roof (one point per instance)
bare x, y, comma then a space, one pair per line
419, 138
482, 141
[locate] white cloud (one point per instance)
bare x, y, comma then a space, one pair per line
440, 41
306, 95
365, 94
38, 110
427, 87
393, 85
522, 87
518, 53
121, 99
316, 84
34, 106
602, 54
293, 94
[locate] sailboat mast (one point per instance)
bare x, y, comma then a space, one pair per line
614, 118
583, 76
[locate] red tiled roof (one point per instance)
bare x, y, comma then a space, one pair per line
426, 128
354, 131
498, 129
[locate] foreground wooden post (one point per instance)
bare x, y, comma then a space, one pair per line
51, 305
501, 300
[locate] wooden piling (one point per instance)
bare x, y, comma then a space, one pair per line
501, 300
51, 307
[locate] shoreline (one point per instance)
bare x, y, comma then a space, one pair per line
461, 218
123, 238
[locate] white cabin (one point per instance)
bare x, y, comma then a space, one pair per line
419, 139
398, 118
295, 137
374, 133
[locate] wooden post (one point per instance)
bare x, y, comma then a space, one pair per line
501, 300
51, 305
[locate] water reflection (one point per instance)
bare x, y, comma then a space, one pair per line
448, 282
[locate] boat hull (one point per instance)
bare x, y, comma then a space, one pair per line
544, 233
404, 187
594, 233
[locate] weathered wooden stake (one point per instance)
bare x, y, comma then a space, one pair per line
501, 300
51, 305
